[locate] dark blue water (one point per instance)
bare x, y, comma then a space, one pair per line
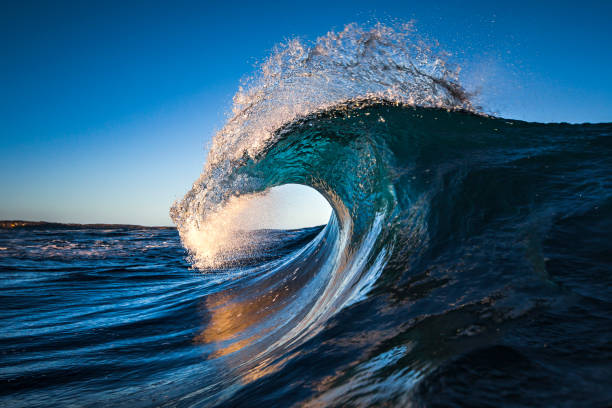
468, 262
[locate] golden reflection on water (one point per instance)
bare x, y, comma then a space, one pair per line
239, 319
228, 320
231, 320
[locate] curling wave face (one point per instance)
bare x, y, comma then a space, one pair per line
311, 116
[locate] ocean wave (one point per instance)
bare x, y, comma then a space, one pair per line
376, 121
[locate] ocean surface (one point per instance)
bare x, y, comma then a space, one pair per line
467, 260
479, 274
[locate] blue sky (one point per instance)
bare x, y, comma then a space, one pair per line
107, 108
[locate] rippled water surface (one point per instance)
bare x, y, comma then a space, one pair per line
117, 317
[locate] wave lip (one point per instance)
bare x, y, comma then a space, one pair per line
298, 80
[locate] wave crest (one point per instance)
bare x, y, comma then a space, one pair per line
357, 64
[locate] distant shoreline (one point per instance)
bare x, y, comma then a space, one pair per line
12, 224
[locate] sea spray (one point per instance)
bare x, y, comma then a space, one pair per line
380, 63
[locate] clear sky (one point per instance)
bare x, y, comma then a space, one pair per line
107, 107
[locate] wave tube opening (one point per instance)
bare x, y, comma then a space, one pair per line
286, 207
